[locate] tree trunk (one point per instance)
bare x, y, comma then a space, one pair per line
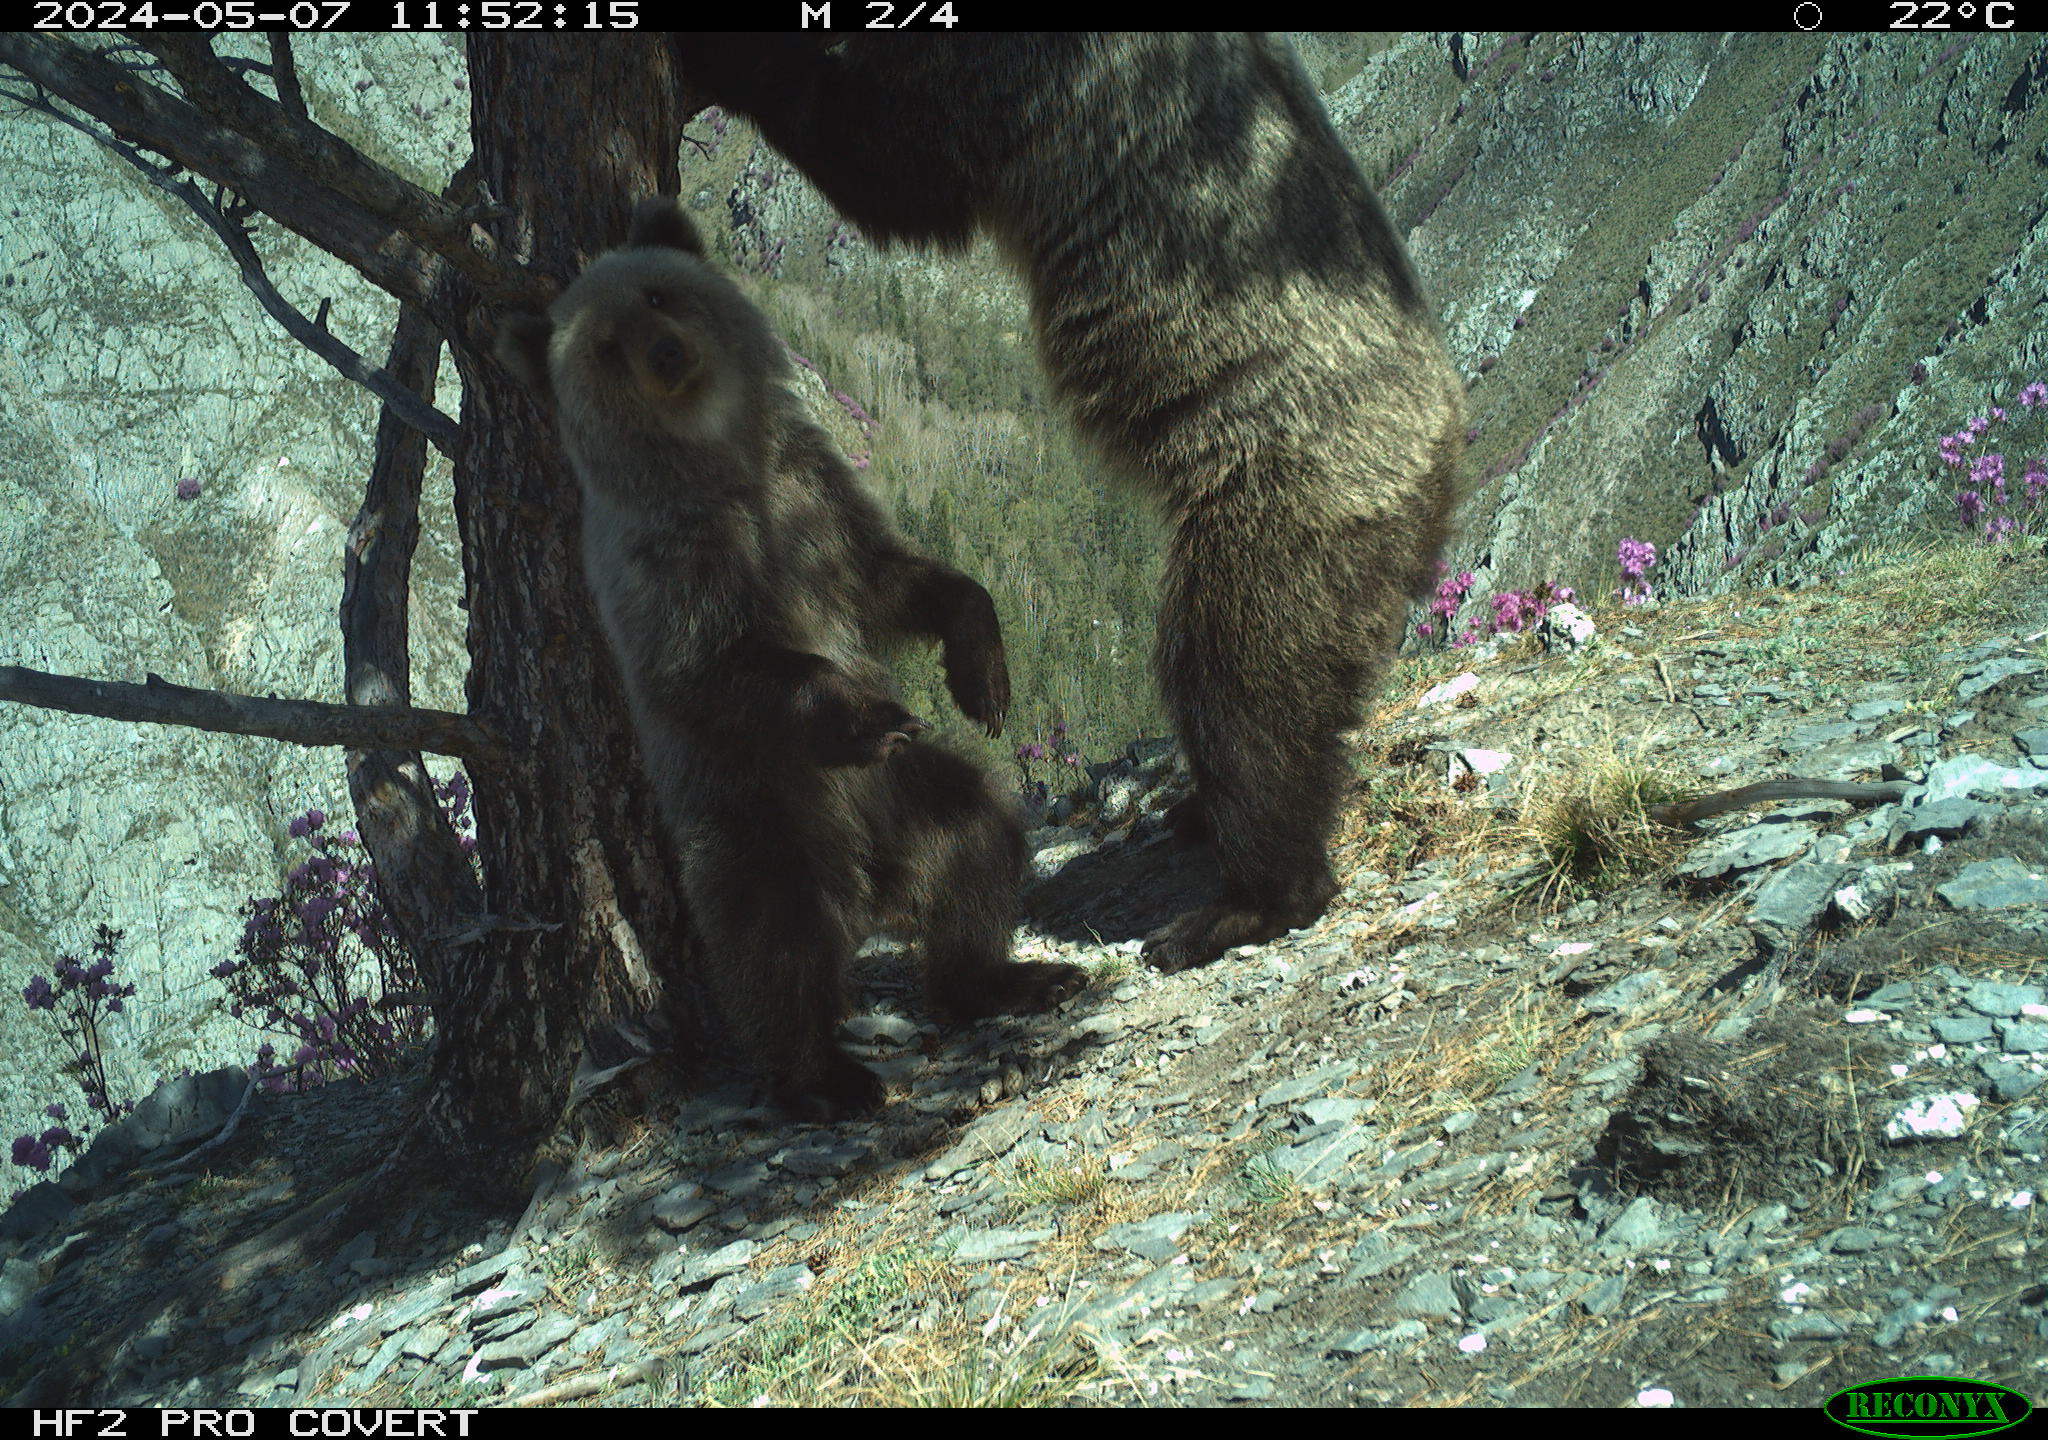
568, 134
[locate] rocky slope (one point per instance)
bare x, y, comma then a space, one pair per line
1739, 1116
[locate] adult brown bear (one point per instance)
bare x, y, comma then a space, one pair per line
1222, 304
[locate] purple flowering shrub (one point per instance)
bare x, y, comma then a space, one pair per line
323, 963
1034, 784
1513, 610
1636, 558
1991, 506
79, 1004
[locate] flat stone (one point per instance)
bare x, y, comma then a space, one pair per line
1320, 1157
1874, 709
2024, 1037
1792, 901
1849, 760
1302, 1087
2010, 1081
1993, 672
682, 1206
1745, 849
2032, 741
1429, 1296
1946, 818
1156, 1239
1999, 1000
991, 1137
784, 1282
1013, 1243
1809, 737
1961, 775
1961, 1029
2001, 884
1628, 992
725, 1260
494, 1267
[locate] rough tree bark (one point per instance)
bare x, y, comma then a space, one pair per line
568, 135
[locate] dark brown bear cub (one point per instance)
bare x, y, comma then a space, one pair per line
747, 583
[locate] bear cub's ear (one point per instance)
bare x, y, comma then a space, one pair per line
659, 221
523, 349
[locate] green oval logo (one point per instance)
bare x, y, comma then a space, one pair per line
1911, 1407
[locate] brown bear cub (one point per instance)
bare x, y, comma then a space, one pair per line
747, 582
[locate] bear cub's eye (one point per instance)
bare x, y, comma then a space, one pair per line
655, 300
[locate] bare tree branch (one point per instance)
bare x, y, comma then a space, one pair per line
329, 160
302, 722
439, 428
423, 874
284, 74
377, 241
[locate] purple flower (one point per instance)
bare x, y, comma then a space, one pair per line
39, 994
2034, 394
188, 489
1969, 508
1988, 470
30, 1153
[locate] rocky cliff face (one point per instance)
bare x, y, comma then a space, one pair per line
131, 358
1718, 293
1722, 293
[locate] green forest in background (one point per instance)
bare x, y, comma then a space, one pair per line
978, 469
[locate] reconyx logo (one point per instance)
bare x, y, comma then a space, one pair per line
1916, 1406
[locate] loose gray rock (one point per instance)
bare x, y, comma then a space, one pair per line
682, 1206
1792, 901
1991, 673
1628, 992
2001, 884
1810, 737
989, 1138
985, 1246
1747, 848
725, 1260
1948, 819
1812, 1325
1962, 775
1319, 1158
1302, 1087
1999, 1000
839, 1159
1638, 1227
2023, 1037
1429, 1296
1155, 1239
785, 1282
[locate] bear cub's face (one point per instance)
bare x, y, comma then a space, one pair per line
650, 337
